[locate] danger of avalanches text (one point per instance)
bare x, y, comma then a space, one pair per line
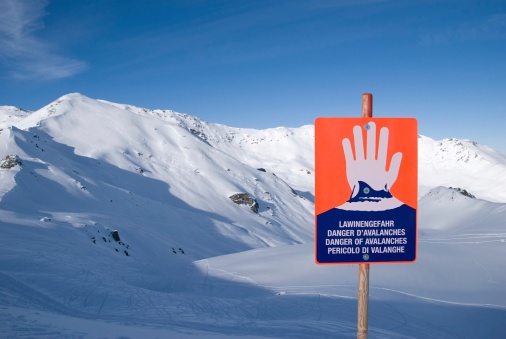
380, 234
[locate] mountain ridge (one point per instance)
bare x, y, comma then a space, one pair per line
288, 152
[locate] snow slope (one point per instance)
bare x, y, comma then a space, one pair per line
191, 263
136, 164
462, 163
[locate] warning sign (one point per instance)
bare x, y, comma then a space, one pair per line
366, 190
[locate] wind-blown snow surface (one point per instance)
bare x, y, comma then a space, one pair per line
191, 263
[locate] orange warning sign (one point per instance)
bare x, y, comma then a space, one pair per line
366, 178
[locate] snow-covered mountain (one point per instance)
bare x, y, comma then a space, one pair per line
462, 163
10, 115
118, 221
132, 166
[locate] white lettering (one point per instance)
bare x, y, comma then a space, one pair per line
343, 250
386, 241
388, 249
367, 223
340, 233
337, 242
390, 232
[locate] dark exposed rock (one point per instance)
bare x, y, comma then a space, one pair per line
199, 134
115, 235
261, 169
245, 199
463, 192
10, 161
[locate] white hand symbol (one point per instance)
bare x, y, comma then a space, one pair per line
366, 167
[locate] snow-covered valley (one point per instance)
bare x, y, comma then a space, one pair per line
117, 221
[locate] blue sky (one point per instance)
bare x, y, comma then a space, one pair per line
262, 64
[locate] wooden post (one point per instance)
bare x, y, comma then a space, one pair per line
363, 301
363, 269
367, 105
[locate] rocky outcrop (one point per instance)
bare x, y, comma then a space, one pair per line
245, 199
10, 161
463, 192
115, 235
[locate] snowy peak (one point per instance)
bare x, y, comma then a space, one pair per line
461, 163
457, 152
455, 210
10, 115
447, 194
58, 107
